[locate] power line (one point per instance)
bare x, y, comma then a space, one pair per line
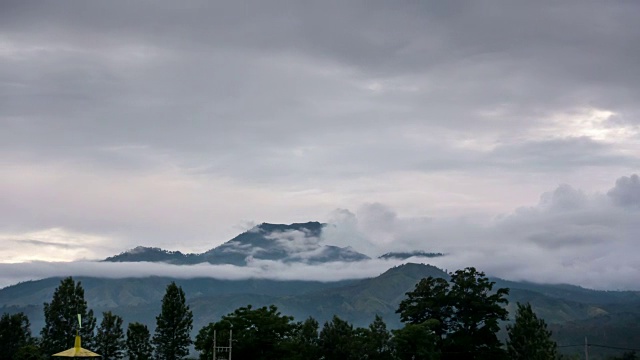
600, 346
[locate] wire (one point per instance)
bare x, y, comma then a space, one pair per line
600, 346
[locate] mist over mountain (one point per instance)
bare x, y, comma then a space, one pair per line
298, 242
570, 310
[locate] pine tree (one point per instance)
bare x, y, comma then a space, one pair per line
110, 338
172, 337
14, 334
377, 341
61, 319
139, 342
529, 337
337, 339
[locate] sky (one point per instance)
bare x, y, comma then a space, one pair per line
504, 133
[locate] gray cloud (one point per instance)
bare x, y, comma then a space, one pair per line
44, 243
168, 125
570, 236
262, 269
626, 193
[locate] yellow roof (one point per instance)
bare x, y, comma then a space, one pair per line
77, 351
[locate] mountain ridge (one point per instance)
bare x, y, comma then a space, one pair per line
297, 242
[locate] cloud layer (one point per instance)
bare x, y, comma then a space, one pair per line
569, 237
173, 125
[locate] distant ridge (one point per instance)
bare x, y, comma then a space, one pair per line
297, 242
151, 254
572, 312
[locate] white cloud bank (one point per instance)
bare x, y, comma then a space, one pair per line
569, 237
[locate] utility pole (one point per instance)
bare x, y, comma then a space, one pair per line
217, 348
586, 349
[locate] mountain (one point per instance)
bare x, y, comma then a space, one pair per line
298, 242
152, 254
570, 310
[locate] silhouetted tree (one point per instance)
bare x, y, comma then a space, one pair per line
61, 319
15, 333
467, 313
173, 326
304, 344
110, 338
260, 333
337, 340
529, 337
416, 342
139, 342
375, 341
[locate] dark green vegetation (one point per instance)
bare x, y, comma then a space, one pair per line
61, 322
139, 342
463, 314
110, 337
15, 335
173, 325
529, 337
606, 318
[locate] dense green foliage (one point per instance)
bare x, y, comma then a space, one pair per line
61, 318
466, 311
261, 333
14, 334
110, 338
173, 326
337, 340
139, 342
529, 338
304, 344
630, 355
416, 341
375, 340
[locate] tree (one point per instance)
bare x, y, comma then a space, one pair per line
428, 301
260, 333
15, 333
337, 340
304, 344
376, 341
477, 312
528, 337
110, 338
466, 312
627, 355
204, 341
416, 342
61, 319
29, 352
173, 326
139, 342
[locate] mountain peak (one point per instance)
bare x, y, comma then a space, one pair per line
313, 228
297, 242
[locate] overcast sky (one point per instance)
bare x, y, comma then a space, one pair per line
502, 132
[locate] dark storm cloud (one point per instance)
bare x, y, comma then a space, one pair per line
206, 77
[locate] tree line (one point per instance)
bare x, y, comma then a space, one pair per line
458, 318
